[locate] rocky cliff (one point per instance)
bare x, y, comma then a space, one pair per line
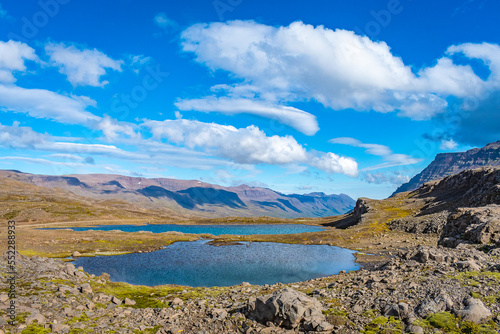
446, 164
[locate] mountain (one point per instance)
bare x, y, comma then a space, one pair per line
192, 197
453, 163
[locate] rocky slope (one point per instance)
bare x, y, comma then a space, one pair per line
192, 197
446, 164
435, 205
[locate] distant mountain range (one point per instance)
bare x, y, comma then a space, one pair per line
446, 164
191, 196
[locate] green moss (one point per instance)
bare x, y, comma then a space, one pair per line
443, 320
82, 318
35, 329
380, 320
476, 295
468, 327
148, 330
336, 312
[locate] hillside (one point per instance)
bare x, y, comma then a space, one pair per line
446, 164
471, 197
191, 197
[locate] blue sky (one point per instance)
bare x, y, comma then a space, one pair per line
332, 96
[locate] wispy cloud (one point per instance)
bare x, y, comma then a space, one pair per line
293, 117
391, 159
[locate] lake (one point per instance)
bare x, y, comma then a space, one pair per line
197, 264
234, 229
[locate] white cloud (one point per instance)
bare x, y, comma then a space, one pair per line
112, 129
248, 145
12, 58
448, 145
39, 161
374, 149
40, 103
391, 159
336, 67
83, 67
394, 178
296, 118
162, 21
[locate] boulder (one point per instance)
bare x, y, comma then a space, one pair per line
475, 311
38, 317
129, 302
290, 309
116, 301
76, 254
59, 328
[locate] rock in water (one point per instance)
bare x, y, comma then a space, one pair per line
76, 254
290, 309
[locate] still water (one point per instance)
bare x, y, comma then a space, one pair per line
209, 229
197, 264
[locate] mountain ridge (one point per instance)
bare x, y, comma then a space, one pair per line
193, 196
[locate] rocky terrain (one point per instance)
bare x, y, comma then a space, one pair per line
451, 285
190, 197
446, 164
421, 290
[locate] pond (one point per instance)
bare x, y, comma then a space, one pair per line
198, 263
235, 229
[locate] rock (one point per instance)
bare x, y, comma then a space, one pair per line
58, 328
475, 311
218, 314
400, 310
288, 308
414, 329
176, 302
469, 265
76, 254
116, 301
129, 302
38, 317
90, 305
4, 297
85, 288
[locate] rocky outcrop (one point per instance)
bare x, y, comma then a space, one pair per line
446, 164
473, 226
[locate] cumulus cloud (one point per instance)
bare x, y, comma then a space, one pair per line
394, 178
336, 67
248, 145
83, 67
293, 117
391, 159
12, 58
